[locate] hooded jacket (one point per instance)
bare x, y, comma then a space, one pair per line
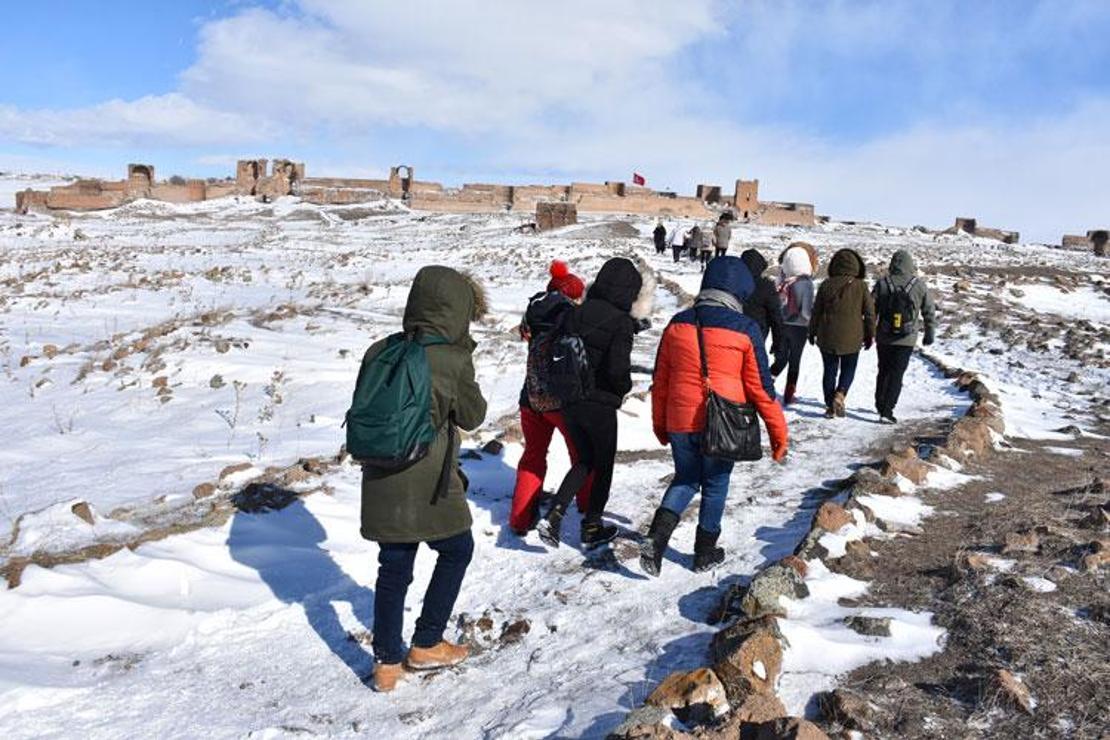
722, 235
763, 305
606, 328
843, 312
734, 353
901, 274
403, 507
795, 284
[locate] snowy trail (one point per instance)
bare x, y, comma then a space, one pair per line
244, 628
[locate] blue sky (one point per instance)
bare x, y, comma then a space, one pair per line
908, 112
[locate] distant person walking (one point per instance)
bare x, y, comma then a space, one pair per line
843, 321
426, 502
540, 415
798, 263
737, 369
905, 308
694, 242
722, 235
659, 236
705, 251
763, 305
606, 325
677, 239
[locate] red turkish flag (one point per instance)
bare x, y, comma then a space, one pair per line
638, 179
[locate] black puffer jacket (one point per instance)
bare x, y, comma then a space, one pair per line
606, 327
544, 310
763, 305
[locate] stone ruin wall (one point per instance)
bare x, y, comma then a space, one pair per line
267, 179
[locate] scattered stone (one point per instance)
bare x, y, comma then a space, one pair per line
906, 463
962, 286
493, 447
223, 346
1098, 556
83, 511
970, 437
832, 517
784, 728
868, 482
1026, 541
217, 381
763, 593
869, 626
646, 723
695, 697
261, 497
810, 547
1011, 688
1017, 292
108, 365
760, 708
513, 632
161, 382
797, 564
25, 360
50, 351
850, 710
203, 490
748, 658
231, 470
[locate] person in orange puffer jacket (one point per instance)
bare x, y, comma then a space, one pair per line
737, 363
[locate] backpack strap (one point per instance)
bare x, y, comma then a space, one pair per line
445, 471
701, 353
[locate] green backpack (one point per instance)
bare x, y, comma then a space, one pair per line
389, 424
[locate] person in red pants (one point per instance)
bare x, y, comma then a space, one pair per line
540, 416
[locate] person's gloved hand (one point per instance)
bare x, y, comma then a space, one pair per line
778, 452
930, 337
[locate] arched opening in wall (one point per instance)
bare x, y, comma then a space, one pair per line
404, 173
140, 175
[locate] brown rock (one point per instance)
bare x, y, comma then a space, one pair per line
25, 360
962, 286
869, 626
108, 365
160, 382
832, 517
694, 696
82, 511
868, 481
784, 728
849, 710
50, 351
1098, 556
760, 708
1011, 688
231, 470
795, 562
906, 463
969, 438
763, 595
203, 490
1027, 541
748, 658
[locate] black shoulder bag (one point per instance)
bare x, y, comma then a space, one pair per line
731, 429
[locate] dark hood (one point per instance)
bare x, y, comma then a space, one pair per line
441, 302
847, 263
618, 282
901, 264
729, 274
755, 261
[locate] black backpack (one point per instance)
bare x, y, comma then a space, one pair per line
899, 313
561, 368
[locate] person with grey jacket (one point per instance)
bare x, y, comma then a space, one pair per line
905, 308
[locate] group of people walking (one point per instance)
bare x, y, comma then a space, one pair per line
712, 349
693, 242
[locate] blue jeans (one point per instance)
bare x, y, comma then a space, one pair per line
395, 561
694, 471
846, 365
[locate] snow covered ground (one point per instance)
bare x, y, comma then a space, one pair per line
183, 339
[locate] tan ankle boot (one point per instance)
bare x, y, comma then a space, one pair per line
387, 675
438, 656
839, 403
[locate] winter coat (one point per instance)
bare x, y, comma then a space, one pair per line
795, 284
902, 272
722, 234
676, 236
695, 240
843, 312
763, 304
606, 328
659, 235
403, 507
734, 354
544, 310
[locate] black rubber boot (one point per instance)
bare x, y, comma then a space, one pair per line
550, 527
655, 543
595, 533
706, 552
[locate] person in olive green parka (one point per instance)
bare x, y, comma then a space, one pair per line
401, 510
843, 320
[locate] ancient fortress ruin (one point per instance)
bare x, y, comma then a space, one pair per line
265, 179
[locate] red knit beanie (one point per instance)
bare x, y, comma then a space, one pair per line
563, 281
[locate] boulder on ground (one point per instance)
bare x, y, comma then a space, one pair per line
748, 658
83, 511
646, 723
1011, 688
695, 697
203, 490
784, 728
906, 463
868, 482
850, 710
1026, 541
869, 626
832, 517
763, 593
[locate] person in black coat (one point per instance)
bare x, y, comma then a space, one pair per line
660, 238
763, 305
606, 328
